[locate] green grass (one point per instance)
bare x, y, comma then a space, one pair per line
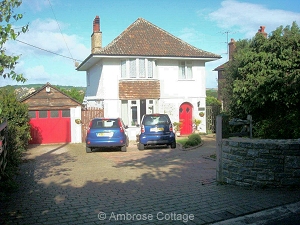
182, 141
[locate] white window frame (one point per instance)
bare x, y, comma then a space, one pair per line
150, 106
126, 110
185, 70
137, 105
142, 68
123, 68
132, 68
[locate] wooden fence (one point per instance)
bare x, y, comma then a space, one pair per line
86, 116
211, 115
3, 147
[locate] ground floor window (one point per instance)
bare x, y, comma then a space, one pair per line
133, 110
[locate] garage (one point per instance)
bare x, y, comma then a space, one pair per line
52, 117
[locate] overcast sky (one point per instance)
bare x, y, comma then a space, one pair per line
60, 31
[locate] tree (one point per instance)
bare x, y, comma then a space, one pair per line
7, 32
263, 80
212, 101
74, 93
212, 93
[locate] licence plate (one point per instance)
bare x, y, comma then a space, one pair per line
156, 129
109, 134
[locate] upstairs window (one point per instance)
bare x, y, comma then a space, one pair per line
150, 68
185, 70
123, 68
137, 68
132, 68
142, 68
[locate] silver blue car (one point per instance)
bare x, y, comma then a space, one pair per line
107, 132
156, 129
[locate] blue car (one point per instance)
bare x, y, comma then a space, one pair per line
156, 129
107, 132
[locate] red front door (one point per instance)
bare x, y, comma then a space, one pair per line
185, 117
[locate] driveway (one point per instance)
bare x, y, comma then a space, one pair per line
61, 184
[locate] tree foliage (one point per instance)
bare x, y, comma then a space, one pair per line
74, 93
263, 80
212, 93
7, 32
212, 101
16, 114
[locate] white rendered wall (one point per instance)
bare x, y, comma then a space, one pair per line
75, 127
173, 91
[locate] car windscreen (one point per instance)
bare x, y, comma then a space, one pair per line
105, 123
155, 120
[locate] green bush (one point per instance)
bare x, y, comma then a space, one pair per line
263, 81
16, 114
193, 140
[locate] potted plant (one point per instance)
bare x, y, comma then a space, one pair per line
197, 123
177, 126
201, 114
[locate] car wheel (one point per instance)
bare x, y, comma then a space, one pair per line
173, 145
88, 150
124, 148
141, 146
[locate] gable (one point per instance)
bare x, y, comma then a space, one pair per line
49, 98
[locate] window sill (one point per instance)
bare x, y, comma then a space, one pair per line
186, 80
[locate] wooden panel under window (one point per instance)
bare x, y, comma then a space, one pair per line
139, 89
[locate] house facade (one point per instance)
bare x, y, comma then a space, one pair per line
146, 70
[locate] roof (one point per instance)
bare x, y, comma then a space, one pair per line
143, 38
221, 67
146, 39
49, 85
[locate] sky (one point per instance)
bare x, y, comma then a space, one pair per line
60, 30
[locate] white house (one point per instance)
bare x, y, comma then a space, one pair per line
146, 70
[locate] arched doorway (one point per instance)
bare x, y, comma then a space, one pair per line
185, 117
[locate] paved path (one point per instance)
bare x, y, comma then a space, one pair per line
61, 184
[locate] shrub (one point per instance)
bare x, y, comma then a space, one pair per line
193, 140
16, 114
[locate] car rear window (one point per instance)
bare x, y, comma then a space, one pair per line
105, 123
155, 119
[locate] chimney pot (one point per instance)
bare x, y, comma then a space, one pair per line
262, 31
96, 24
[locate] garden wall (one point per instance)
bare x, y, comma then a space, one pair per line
259, 162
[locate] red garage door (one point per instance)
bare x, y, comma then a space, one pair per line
50, 126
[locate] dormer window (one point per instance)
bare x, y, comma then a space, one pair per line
140, 68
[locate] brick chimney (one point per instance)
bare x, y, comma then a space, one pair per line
96, 37
231, 47
262, 31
